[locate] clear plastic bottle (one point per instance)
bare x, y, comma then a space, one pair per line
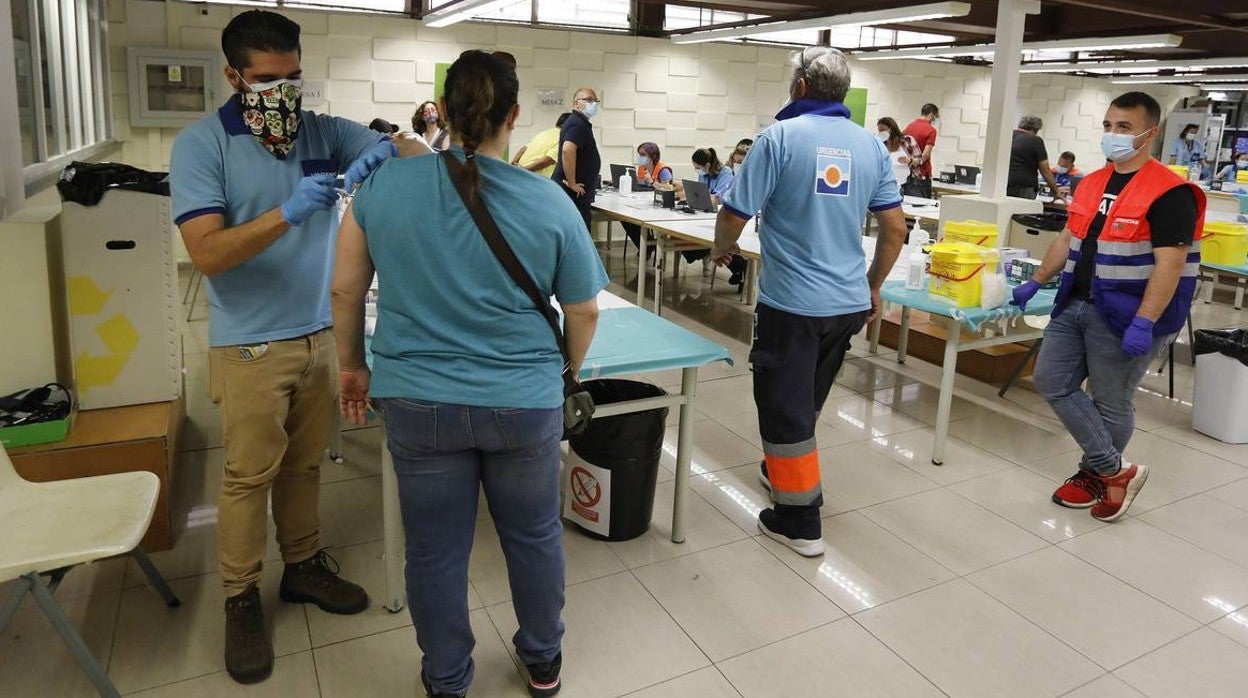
626, 184
916, 261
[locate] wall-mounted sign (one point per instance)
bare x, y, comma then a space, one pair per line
315, 93
175, 73
549, 97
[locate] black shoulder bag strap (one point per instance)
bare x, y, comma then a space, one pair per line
578, 407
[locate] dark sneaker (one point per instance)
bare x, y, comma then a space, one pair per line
544, 678
1080, 491
424, 681
802, 536
762, 476
248, 652
1120, 491
316, 580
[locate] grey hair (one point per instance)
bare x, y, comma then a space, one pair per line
1031, 123
825, 70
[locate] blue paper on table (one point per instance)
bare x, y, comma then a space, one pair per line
632, 340
896, 292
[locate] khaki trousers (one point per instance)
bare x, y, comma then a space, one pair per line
277, 403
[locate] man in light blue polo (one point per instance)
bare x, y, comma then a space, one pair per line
253, 193
813, 175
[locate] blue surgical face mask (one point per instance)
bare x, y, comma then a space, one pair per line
591, 109
643, 160
1119, 147
1242, 164
1062, 170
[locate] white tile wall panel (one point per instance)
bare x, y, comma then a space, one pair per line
608, 43
200, 38
653, 69
472, 33
713, 84
647, 118
682, 103
395, 49
770, 73
738, 126
350, 68
684, 64
651, 101
681, 84
352, 90
316, 44
363, 112
404, 92
589, 78
426, 71
620, 101
350, 24
661, 48
619, 74
394, 71
621, 137
554, 77
712, 103
205, 16
550, 38
683, 138
546, 57
350, 47
712, 121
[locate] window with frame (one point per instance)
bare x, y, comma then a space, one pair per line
63, 96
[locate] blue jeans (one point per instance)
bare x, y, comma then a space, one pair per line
1078, 345
442, 454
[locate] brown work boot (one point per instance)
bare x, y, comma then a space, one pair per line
248, 652
316, 580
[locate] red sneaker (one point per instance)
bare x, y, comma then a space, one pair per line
1080, 491
1120, 491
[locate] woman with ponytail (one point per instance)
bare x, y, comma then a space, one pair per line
718, 179
466, 372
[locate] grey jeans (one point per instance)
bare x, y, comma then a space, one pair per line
1078, 345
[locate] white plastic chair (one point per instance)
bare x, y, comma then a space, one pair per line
51, 527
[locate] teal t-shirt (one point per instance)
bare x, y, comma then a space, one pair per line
451, 324
217, 166
814, 176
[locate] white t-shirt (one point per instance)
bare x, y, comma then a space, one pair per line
901, 171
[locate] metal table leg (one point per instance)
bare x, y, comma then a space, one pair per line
874, 336
392, 525
684, 452
659, 263
641, 268
948, 372
903, 334
1018, 370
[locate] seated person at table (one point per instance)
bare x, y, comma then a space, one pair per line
718, 179
1066, 170
651, 171
738, 154
1239, 164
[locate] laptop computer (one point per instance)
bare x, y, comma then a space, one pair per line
698, 196
965, 174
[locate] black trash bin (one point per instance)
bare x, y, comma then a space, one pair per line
614, 464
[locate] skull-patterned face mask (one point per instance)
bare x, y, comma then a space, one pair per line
271, 111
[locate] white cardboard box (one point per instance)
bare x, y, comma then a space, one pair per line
121, 282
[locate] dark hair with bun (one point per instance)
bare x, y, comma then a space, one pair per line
479, 93
706, 157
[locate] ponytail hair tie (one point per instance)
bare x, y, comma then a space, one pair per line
470, 154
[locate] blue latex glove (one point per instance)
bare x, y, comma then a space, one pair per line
1138, 339
313, 193
1023, 293
366, 163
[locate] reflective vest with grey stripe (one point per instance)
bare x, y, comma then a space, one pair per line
1124, 249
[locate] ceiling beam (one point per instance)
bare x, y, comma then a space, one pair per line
1140, 9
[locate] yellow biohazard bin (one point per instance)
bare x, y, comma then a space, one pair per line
974, 232
1225, 244
1180, 170
957, 272
1241, 176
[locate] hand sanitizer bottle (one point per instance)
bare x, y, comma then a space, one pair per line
916, 261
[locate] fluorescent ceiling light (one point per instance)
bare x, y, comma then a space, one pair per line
1178, 79
1121, 43
1136, 66
896, 15
1225, 88
462, 10
1217, 96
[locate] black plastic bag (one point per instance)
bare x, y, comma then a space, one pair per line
1228, 342
85, 182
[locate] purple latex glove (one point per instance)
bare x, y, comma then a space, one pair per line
369, 161
1138, 339
1023, 293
